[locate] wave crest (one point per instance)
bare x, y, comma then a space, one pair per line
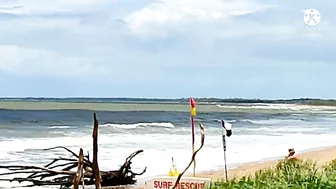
274, 121
287, 129
139, 125
60, 127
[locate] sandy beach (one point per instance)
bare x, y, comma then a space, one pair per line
321, 156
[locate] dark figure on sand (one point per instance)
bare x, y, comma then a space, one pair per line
292, 155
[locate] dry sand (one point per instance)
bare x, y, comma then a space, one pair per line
321, 156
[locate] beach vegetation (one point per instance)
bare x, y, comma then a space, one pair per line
286, 174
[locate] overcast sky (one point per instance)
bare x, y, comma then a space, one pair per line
167, 48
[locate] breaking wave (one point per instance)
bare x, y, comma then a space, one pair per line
60, 127
286, 129
264, 106
229, 121
275, 121
139, 125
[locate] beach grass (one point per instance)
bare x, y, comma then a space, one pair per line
286, 174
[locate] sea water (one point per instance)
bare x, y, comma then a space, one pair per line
259, 132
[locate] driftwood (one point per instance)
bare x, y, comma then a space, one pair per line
79, 175
87, 172
192, 157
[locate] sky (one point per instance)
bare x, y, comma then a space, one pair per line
167, 49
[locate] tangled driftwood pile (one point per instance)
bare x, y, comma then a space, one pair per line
60, 170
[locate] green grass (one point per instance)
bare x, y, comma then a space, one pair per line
287, 174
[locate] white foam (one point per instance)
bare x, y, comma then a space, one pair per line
137, 125
276, 122
266, 106
60, 127
229, 121
287, 129
159, 148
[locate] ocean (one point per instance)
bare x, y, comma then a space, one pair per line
260, 131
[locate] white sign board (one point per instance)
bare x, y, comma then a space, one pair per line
185, 183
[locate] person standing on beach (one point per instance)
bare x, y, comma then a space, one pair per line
292, 155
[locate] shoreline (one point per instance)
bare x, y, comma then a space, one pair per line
320, 155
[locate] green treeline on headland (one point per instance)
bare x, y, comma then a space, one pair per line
302, 101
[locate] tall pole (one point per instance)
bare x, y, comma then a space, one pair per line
224, 149
192, 115
193, 142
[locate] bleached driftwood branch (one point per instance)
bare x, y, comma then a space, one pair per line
192, 157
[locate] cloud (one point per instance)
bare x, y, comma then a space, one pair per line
33, 7
23, 61
156, 48
159, 15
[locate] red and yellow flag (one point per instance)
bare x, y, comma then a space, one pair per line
193, 107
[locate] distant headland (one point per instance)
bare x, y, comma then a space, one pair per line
301, 101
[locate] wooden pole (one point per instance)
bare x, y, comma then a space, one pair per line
95, 152
192, 115
193, 143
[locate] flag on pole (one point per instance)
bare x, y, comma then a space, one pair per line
193, 107
192, 115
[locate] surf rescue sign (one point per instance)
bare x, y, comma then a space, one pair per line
185, 183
